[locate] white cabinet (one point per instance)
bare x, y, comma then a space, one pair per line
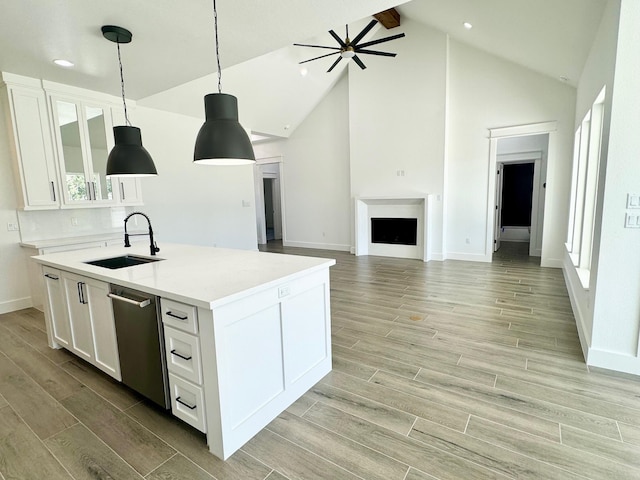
83, 140
55, 313
182, 348
30, 138
90, 313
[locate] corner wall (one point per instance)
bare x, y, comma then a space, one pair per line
488, 92
316, 175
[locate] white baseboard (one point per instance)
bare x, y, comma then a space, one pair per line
468, 257
438, 257
352, 250
573, 284
320, 246
17, 304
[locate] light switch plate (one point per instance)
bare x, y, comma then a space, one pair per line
283, 291
633, 200
632, 220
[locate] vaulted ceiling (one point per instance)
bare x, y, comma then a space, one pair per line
173, 41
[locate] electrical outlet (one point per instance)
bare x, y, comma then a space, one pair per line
246, 203
74, 221
283, 291
12, 227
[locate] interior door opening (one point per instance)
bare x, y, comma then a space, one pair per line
519, 191
269, 201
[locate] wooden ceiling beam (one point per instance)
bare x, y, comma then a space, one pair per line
389, 18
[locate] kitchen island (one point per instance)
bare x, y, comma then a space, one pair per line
252, 329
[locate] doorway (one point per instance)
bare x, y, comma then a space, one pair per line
269, 200
520, 183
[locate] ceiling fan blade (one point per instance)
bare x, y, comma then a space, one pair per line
316, 58
381, 40
375, 52
359, 62
334, 64
338, 39
364, 31
315, 46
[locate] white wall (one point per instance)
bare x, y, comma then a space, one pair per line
488, 92
189, 203
316, 175
14, 282
597, 73
397, 121
616, 310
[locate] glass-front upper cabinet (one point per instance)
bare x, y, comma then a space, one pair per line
83, 145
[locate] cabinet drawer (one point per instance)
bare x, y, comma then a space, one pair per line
180, 316
187, 402
183, 354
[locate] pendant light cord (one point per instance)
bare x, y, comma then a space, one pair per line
124, 102
215, 27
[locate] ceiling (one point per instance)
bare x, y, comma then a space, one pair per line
173, 41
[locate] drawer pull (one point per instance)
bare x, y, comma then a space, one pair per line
173, 352
179, 317
52, 277
190, 407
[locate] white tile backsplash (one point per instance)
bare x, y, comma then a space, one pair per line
52, 224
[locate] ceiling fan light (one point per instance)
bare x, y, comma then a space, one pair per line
221, 139
347, 53
128, 156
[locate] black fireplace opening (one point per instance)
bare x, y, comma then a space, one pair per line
396, 231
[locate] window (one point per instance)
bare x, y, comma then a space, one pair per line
584, 186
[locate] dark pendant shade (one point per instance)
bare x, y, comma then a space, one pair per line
221, 139
129, 157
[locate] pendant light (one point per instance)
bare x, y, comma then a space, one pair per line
221, 139
128, 157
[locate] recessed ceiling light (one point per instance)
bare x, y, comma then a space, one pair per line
304, 71
467, 25
563, 78
61, 62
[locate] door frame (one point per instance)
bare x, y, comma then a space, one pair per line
495, 134
259, 175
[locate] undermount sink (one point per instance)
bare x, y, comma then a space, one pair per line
122, 261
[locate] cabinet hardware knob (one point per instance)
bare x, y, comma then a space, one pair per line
173, 352
190, 407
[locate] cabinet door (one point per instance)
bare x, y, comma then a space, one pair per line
78, 314
33, 149
99, 143
54, 308
103, 326
70, 149
130, 192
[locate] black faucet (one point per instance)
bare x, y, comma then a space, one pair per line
154, 248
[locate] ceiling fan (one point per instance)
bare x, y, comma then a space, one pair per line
350, 49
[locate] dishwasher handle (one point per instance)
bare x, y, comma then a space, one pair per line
141, 304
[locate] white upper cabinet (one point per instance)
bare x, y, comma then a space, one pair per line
29, 136
83, 138
60, 138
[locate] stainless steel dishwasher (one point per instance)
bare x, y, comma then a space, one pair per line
141, 343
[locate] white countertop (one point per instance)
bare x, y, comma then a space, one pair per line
202, 276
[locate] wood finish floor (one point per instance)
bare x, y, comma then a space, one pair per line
448, 370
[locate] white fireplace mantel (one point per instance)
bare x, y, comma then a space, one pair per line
418, 207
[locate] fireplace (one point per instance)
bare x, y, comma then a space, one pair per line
395, 231
393, 227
